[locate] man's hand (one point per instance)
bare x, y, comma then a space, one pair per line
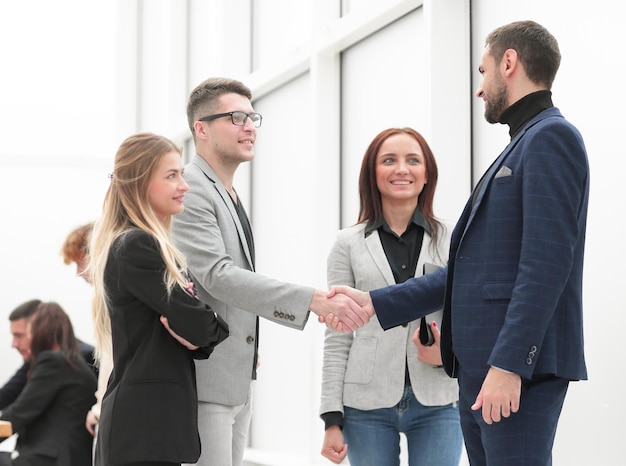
429, 354
499, 396
342, 308
361, 298
333, 448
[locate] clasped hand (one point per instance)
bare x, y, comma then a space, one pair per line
340, 310
352, 309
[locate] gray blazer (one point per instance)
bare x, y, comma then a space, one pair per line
211, 237
366, 369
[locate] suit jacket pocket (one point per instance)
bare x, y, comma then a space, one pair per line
361, 360
497, 290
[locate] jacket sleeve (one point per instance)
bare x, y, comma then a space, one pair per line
141, 261
336, 345
415, 298
38, 393
202, 235
11, 390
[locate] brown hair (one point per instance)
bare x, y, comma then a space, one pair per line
51, 328
204, 99
537, 49
371, 209
75, 246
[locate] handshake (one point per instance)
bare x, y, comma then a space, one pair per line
343, 308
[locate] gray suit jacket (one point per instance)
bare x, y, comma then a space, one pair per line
210, 235
366, 369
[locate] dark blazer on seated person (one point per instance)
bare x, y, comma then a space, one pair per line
14, 386
49, 414
150, 408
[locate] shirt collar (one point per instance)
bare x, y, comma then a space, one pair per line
417, 219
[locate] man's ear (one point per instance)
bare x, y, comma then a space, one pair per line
199, 129
509, 62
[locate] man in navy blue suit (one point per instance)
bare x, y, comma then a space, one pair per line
512, 330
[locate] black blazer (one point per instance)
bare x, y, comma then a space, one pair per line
13, 387
49, 414
149, 411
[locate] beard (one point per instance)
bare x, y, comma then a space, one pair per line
497, 103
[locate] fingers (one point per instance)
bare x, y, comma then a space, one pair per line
181, 340
429, 354
91, 422
499, 396
333, 447
335, 456
332, 321
436, 333
350, 311
350, 308
416, 337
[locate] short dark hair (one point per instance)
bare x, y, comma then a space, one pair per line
205, 97
537, 49
24, 310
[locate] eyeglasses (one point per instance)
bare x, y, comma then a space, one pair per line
238, 118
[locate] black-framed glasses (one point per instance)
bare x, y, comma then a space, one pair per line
238, 118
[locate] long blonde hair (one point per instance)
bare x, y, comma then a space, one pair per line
125, 208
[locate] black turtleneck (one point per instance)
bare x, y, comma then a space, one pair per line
518, 114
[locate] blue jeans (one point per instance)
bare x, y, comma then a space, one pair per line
433, 434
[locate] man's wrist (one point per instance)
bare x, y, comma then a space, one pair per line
502, 370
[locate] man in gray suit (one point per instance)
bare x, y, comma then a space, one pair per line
216, 237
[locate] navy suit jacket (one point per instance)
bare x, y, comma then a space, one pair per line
512, 290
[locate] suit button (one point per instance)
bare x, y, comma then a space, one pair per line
250, 339
529, 361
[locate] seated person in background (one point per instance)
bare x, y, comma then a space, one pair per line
20, 318
49, 413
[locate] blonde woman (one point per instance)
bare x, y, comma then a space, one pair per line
145, 307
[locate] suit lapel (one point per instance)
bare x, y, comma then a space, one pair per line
495, 166
375, 248
228, 202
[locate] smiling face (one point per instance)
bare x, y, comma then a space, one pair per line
400, 169
231, 144
492, 88
167, 187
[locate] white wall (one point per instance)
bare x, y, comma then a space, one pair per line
73, 88
58, 126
